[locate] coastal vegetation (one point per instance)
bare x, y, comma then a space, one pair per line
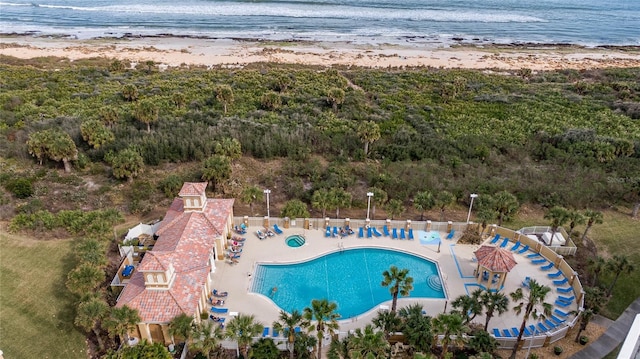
87, 143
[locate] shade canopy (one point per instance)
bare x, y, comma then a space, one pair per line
495, 259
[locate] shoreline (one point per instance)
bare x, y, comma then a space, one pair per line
175, 51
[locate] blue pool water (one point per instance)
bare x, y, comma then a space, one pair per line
351, 278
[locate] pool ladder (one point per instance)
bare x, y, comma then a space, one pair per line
341, 246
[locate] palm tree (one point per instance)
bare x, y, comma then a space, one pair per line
443, 199
380, 197
593, 217
394, 208
416, 327
369, 132
423, 201
399, 283
181, 326
324, 314
505, 204
493, 302
229, 147
335, 97
84, 279
387, 321
535, 298
558, 216
484, 216
339, 198
206, 336
469, 305
215, 169
596, 265
243, 328
618, 264
121, 320
368, 344
303, 343
575, 218
250, 195
449, 325
147, 111
224, 94
90, 314
287, 323
593, 301
321, 199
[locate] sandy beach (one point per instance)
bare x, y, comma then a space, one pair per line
177, 51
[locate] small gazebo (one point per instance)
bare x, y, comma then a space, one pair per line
493, 265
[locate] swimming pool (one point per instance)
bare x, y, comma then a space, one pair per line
295, 241
427, 238
350, 277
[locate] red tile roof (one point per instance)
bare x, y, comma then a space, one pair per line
495, 259
193, 189
185, 240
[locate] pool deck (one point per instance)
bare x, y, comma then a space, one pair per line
454, 261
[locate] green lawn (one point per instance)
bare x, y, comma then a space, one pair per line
36, 311
618, 234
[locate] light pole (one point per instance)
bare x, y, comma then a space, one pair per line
473, 195
369, 195
267, 191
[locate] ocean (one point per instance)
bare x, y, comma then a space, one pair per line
437, 22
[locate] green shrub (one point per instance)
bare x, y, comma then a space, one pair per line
170, 185
557, 350
20, 187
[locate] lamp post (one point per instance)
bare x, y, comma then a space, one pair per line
267, 191
473, 195
369, 195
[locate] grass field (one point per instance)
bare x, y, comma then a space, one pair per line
36, 311
618, 234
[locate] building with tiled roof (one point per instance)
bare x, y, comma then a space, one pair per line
175, 276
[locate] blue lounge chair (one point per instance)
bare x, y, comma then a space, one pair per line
539, 261
555, 275
504, 243
410, 233
515, 331
560, 313
561, 303
567, 299
369, 232
277, 229
394, 234
523, 249
527, 332
525, 282
385, 230
275, 333
548, 266
557, 320
515, 246
450, 235
335, 231
562, 281
550, 324
533, 255
217, 319
328, 232
565, 290
532, 329
297, 330
495, 239
505, 333
265, 332
496, 333
402, 234
376, 232
360, 232
219, 310
542, 328
127, 270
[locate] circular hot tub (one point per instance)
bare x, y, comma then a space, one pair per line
295, 241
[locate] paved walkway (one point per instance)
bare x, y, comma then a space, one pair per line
615, 334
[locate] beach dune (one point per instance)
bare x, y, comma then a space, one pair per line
179, 51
